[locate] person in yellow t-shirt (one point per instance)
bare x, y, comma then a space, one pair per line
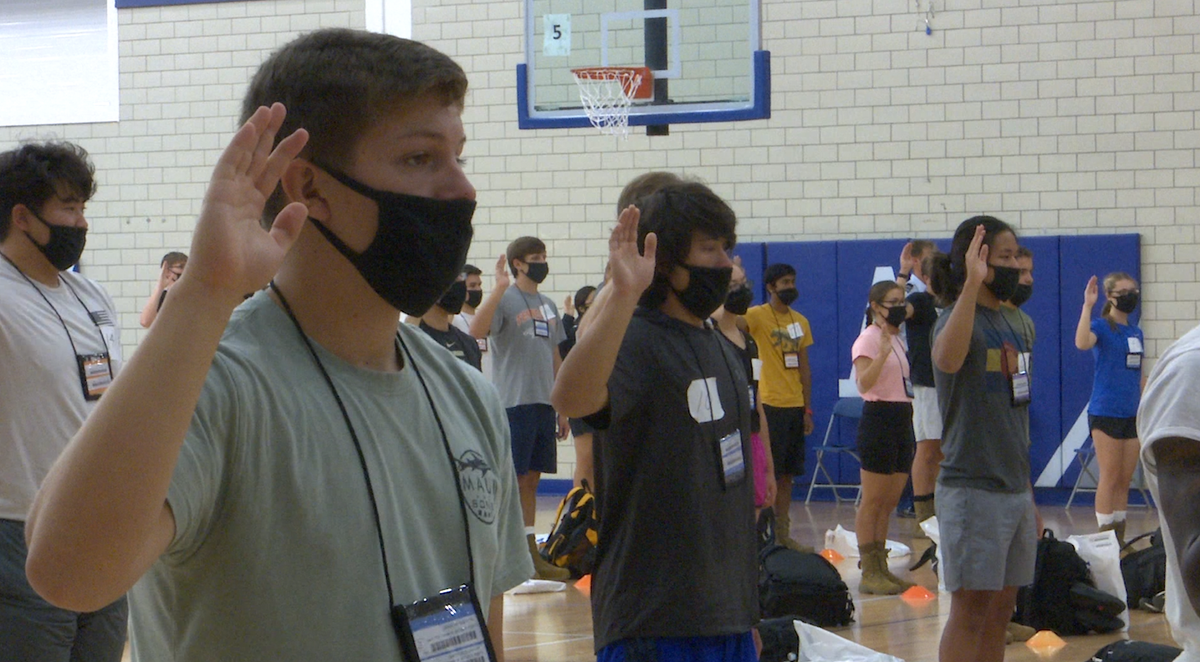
784, 336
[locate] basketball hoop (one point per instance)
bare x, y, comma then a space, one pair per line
608, 92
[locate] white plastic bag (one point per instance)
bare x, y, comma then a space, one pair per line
930, 527
1103, 555
817, 645
845, 542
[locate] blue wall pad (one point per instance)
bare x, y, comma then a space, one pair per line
1080, 257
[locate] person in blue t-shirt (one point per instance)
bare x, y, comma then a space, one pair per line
1118, 348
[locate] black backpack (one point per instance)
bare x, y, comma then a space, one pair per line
1145, 570
799, 585
1136, 651
780, 643
572, 541
1063, 596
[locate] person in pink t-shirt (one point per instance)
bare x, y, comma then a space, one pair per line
885, 433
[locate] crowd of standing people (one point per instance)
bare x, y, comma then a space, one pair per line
279, 438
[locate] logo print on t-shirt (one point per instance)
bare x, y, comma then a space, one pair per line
704, 402
480, 484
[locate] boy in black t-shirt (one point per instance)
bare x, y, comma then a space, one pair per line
436, 324
676, 574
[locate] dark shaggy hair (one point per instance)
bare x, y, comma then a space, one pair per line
35, 172
676, 214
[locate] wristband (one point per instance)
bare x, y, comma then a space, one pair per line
905, 276
808, 410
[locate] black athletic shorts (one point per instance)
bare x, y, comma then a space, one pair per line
785, 425
886, 444
1117, 428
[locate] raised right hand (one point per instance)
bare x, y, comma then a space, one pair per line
906, 259
885, 340
976, 258
503, 278
1091, 293
231, 253
632, 272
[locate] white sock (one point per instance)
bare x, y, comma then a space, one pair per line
1119, 515
1102, 519
529, 531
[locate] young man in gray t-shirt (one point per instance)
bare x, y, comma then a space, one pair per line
292, 479
524, 329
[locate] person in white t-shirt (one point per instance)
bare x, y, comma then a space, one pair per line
60, 348
1168, 423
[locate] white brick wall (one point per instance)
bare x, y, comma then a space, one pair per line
1060, 117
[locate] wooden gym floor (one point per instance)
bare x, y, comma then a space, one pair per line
557, 627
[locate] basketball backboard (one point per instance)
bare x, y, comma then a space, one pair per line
704, 55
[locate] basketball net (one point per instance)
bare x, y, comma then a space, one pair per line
606, 94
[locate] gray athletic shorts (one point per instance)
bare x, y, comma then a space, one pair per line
988, 539
927, 417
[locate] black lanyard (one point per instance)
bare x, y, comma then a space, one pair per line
103, 340
362, 461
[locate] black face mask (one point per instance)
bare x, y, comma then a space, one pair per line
454, 297
1021, 295
738, 300
419, 248
788, 295
1004, 282
1127, 303
64, 246
537, 271
706, 289
896, 315
474, 298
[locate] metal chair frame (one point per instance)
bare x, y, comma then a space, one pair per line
849, 409
1084, 454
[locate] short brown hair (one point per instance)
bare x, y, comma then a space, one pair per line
521, 248
1023, 251
922, 247
638, 188
337, 82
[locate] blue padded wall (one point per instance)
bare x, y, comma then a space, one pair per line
1081, 257
833, 279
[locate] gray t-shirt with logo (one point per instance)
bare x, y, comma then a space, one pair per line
985, 438
275, 555
524, 360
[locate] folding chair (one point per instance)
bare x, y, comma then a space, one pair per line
1085, 454
849, 409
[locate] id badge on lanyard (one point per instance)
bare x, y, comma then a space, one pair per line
541, 329
908, 387
95, 374
733, 462
482, 343
1133, 358
1018, 375
447, 627
791, 360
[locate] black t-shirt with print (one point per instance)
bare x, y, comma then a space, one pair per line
457, 343
677, 551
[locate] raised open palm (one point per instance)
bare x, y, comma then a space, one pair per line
232, 255
632, 271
